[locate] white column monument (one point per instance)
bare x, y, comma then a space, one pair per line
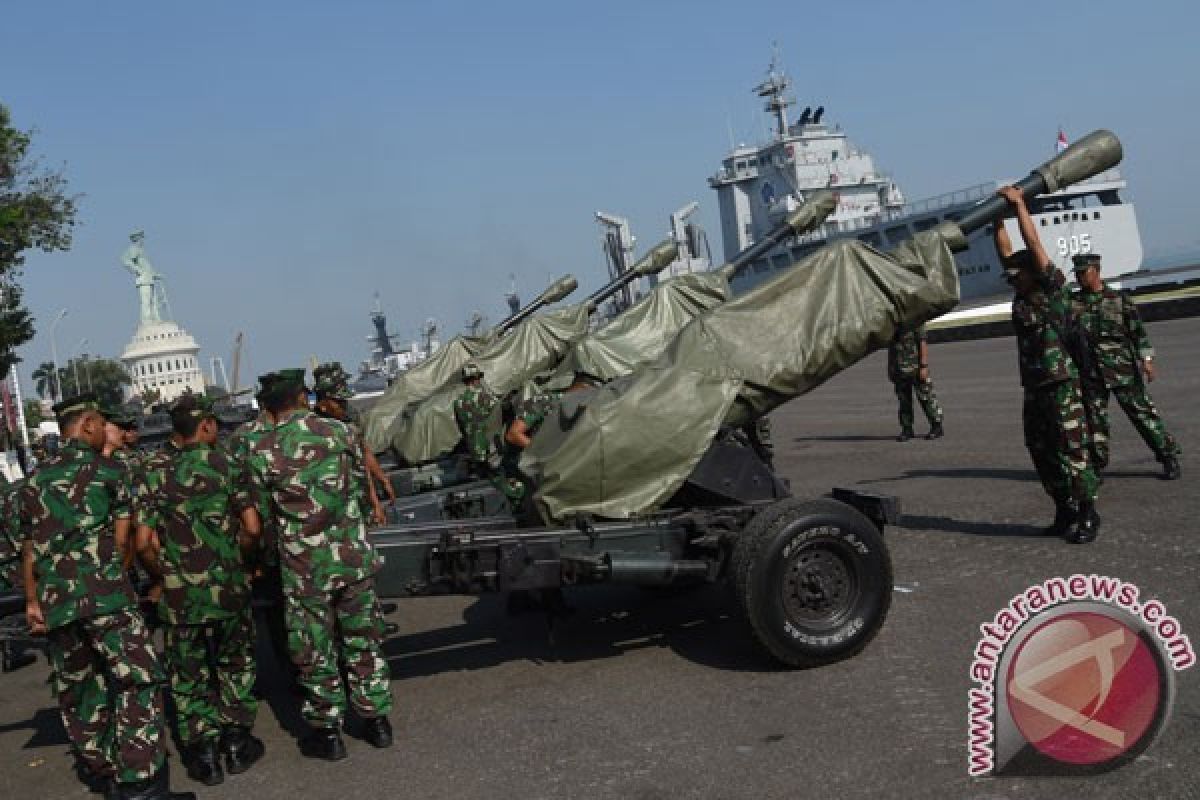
161, 356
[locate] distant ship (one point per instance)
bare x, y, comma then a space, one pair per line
757, 186
388, 358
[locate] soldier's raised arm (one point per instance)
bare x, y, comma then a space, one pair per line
1000, 239
1029, 234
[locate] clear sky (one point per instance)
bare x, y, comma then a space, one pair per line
288, 159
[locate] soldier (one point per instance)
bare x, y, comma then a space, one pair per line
188, 511
333, 401
268, 583
526, 422
1119, 346
75, 513
1056, 431
310, 467
473, 410
908, 370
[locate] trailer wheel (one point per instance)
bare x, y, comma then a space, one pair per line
813, 579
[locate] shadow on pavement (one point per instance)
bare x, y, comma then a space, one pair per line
699, 624
848, 438
46, 726
969, 527
985, 473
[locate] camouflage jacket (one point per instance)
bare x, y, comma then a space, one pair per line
237, 447
473, 412
190, 496
68, 510
1115, 332
1037, 321
904, 354
10, 538
312, 470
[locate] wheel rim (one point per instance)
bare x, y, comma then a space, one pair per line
820, 586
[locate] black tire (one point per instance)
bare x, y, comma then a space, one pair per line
813, 579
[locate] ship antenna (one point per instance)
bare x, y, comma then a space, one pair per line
774, 89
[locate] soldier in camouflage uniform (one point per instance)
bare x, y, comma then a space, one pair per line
1056, 431
268, 582
75, 513
908, 370
311, 468
191, 500
1119, 345
331, 384
473, 412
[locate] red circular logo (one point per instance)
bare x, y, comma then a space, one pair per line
1085, 688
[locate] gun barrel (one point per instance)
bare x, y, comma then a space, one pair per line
1091, 155
555, 292
659, 257
819, 205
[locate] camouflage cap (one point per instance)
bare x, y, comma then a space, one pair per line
290, 378
330, 384
330, 368
191, 404
471, 370
121, 417
1084, 260
73, 405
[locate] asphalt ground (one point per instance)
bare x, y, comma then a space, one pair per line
646, 696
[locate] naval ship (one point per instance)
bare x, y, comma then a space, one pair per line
756, 186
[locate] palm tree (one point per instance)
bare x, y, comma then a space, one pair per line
45, 379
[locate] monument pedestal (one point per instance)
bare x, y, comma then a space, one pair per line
162, 356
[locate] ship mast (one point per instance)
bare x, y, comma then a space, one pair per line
774, 89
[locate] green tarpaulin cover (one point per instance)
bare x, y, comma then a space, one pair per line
418, 383
642, 331
626, 448
424, 430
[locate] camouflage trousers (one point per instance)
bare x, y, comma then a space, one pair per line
1056, 435
211, 671
905, 388
329, 632
1136, 403
106, 678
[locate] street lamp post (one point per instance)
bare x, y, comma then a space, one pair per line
75, 363
54, 355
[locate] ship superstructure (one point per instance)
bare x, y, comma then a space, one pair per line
757, 186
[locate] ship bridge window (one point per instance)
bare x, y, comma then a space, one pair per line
899, 233
741, 165
1110, 198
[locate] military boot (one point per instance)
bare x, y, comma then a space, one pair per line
936, 431
1171, 469
156, 788
324, 743
1065, 515
202, 763
905, 435
1088, 525
378, 731
241, 749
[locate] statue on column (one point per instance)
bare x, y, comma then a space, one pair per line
145, 277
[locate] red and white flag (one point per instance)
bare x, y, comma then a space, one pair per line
1061, 144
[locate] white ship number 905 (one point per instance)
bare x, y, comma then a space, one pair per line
1074, 245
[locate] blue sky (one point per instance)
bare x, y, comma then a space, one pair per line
288, 159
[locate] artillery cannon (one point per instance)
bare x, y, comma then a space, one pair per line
813, 578
426, 430
636, 336
443, 367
